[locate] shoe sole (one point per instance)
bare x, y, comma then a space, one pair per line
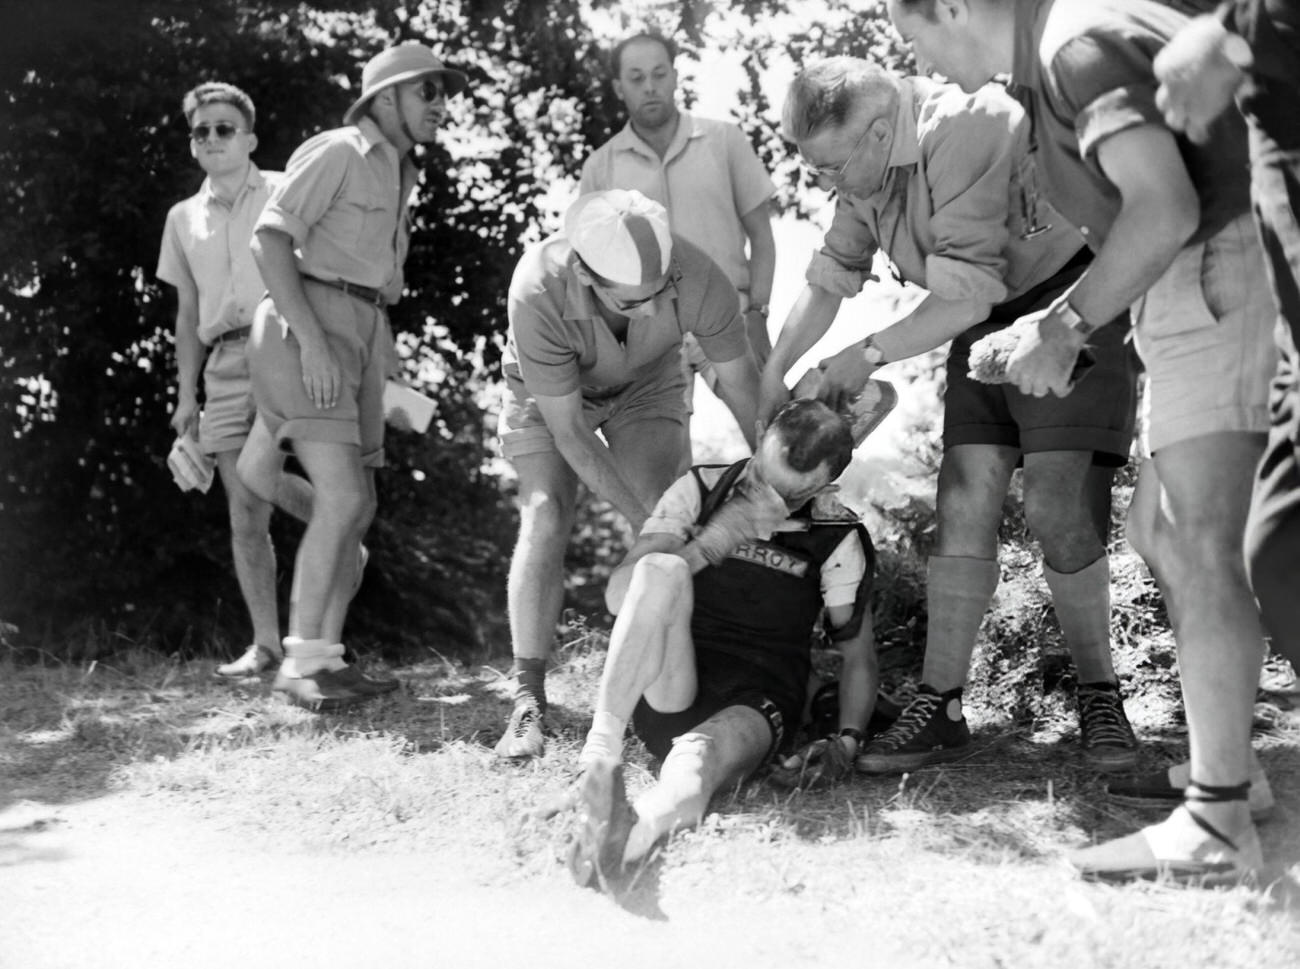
329, 704
904, 763
1208, 874
1125, 763
599, 798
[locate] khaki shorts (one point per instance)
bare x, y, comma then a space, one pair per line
228, 408
523, 430
1205, 333
359, 335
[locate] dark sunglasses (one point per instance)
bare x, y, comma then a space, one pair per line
222, 129
432, 90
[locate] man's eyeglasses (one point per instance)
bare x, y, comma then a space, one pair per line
831, 173
432, 90
623, 305
221, 129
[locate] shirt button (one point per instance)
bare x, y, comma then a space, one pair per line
1083, 231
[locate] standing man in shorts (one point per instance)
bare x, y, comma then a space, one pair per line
938, 179
1169, 223
1251, 49
709, 656
597, 316
331, 244
205, 256
705, 173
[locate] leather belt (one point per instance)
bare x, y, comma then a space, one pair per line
364, 293
230, 336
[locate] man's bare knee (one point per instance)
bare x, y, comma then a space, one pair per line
664, 570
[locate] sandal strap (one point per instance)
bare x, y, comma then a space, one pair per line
1211, 794
1210, 829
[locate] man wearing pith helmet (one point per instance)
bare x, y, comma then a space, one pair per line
597, 315
330, 245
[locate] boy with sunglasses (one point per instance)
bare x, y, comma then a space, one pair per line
597, 316
205, 256
331, 244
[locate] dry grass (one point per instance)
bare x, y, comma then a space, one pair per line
949, 866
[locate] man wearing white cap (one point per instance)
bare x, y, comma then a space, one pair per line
330, 245
704, 172
597, 316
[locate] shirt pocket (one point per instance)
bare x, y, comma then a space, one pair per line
376, 221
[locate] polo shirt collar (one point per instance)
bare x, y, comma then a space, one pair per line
253, 180
370, 132
628, 140
1031, 18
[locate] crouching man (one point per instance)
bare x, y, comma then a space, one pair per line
709, 657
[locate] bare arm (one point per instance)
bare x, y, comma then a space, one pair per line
859, 674
738, 388
931, 324
1158, 214
589, 458
809, 319
757, 224
321, 376
190, 353
1200, 71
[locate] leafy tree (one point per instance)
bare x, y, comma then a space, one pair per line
93, 152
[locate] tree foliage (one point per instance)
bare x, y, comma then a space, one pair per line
94, 152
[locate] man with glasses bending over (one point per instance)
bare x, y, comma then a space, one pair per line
597, 316
205, 256
940, 181
331, 244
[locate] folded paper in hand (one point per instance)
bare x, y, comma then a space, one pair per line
190, 467
406, 408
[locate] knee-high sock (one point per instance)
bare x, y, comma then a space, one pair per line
1082, 603
959, 590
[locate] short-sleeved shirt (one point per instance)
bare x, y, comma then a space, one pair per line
679, 508
206, 241
343, 201
708, 179
949, 212
1271, 95
559, 342
1084, 72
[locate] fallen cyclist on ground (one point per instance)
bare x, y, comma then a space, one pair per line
709, 656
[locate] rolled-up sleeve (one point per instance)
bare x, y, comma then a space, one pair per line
969, 159
843, 264
676, 511
312, 180
1109, 85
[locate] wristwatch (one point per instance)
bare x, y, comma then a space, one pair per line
853, 732
872, 353
1068, 315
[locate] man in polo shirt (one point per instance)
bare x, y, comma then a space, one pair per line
705, 173
935, 177
597, 316
205, 256
331, 244
1169, 223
